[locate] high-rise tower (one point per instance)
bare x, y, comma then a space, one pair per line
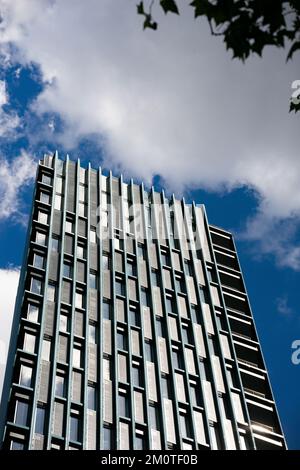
132, 326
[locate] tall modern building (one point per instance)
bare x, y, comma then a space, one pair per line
132, 326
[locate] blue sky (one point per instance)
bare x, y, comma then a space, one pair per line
173, 108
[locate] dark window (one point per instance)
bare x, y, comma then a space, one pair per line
139, 442
149, 351
93, 281
74, 428
21, 413
60, 386
55, 245
106, 311
67, 270
136, 376
144, 297
123, 405
121, 340
188, 268
165, 259
91, 392
134, 317
25, 376
155, 278
131, 269
39, 420
176, 359
106, 438
141, 251
165, 385
120, 287
154, 421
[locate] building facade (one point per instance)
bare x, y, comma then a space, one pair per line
132, 326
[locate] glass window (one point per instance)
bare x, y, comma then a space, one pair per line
91, 392
195, 314
21, 413
139, 442
185, 425
155, 278
44, 197
67, 270
63, 323
105, 262
134, 317
76, 357
121, 340
57, 202
148, 351
43, 217
60, 386
141, 251
36, 285
123, 405
51, 293
92, 334
29, 343
15, 445
188, 268
55, 245
93, 236
170, 304
131, 271
195, 396
165, 258
25, 376
32, 312
186, 335
40, 238
106, 438
179, 284
136, 376
79, 300
165, 385
46, 349
46, 179
120, 288
93, 281
39, 420
80, 251
69, 226
176, 359
154, 421
159, 327
106, 309
38, 261
144, 297
74, 428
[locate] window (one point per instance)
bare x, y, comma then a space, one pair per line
144, 297
93, 281
165, 385
195, 396
153, 414
179, 284
92, 334
170, 304
46, 179
51, 291
91, 393
76, 357
133, 317
67, 270
188, 268
139, 442
121, 340
120, 287
118, 244
60, 386
131, 270
21, 413
78, 300
40, 238
46, 348
141, 251
74, 428
93, 236
82, 209
155, 278
36, 285
43, 217
32, 313
55, 245
25, 376
29, 343
159, 327
15, 445
38, 261
105, 262
123, 405
45, 198
195, 314
57, 202
106, 438
69, 226
165, 258
136, 376
39, 420
63, 323
185, 424
106, 309
186, 337
149, 351
80, 251
176, 359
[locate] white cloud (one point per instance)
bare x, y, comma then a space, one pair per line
9, 279
170, 102
14, 176
9, 121
283, 307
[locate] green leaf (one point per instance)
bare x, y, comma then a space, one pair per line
169, 5
293, 49
140, 8
149, 23
294, 107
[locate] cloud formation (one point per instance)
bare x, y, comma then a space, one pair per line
9, 121
170, 102
14, 176
9, 279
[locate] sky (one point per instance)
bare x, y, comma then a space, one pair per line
168, 107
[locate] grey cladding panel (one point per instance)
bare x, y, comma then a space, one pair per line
82, 227
80, 271
49, 323
69, 244
56, 225
53, 268
71, 187
93, 256
93, 305
44, 382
